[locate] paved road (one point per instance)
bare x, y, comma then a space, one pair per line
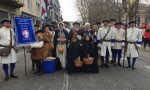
115, 78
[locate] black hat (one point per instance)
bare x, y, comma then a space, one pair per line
53, 23
5, 20
118, 23
97, 23
106, 21
66, 23
76, 23
39, 31
132, 22
112, 19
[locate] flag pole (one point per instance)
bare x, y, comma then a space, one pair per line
25, 60
126, 44
125, 41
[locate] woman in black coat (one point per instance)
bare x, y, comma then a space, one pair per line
73, 54
88, 51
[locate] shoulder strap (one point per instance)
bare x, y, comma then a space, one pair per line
10, 45
105, 35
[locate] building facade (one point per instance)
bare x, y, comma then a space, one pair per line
9, 8
31, 8
48, 10
54, 12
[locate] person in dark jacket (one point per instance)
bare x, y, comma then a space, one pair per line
73, 54
88, 51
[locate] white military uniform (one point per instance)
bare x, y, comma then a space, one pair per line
119, 35
133, 35
5, 40
101, 33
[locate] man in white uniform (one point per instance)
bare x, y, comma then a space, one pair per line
11, 59
106, 38
119, 36
112, 25
134, 40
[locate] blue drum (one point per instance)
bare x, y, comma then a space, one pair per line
49, 65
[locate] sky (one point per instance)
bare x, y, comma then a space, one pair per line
68, 10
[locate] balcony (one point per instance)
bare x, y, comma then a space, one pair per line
12, 3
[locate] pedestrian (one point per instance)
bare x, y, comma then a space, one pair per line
7, 40
75, 31
38, 25
99, 24
73, 54
134, 40
112, 23
95, 29
61, 38
40, 50
87, 30
67, 26
106, 39
112, 26
88, 54
146, 38
52, 31
119, 36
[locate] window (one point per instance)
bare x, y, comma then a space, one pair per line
30, 4
37, 8
22, 1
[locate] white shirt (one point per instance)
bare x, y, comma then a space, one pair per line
119, 35
5, 40
134, 35
37, 44
103, 31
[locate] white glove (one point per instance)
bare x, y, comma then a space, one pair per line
79, 37
123, 44
112, 44
99, 45
138, 45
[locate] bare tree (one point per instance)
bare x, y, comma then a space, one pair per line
97, 10
83, 8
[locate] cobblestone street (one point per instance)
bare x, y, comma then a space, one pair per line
115, 78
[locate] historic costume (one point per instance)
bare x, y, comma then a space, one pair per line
119, 36
5, 39
134, 40
61, 38
88, 52
95, 41
73, 54
40, 50
112, 26
106, 39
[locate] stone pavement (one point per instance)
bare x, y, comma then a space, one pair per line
114, 78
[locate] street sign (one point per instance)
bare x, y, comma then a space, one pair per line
24, 31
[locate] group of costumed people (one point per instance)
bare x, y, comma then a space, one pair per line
79, 48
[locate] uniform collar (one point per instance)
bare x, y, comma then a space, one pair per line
132, 28
5, 28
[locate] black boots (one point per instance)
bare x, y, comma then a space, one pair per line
13, 76
129, 63
5, 68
